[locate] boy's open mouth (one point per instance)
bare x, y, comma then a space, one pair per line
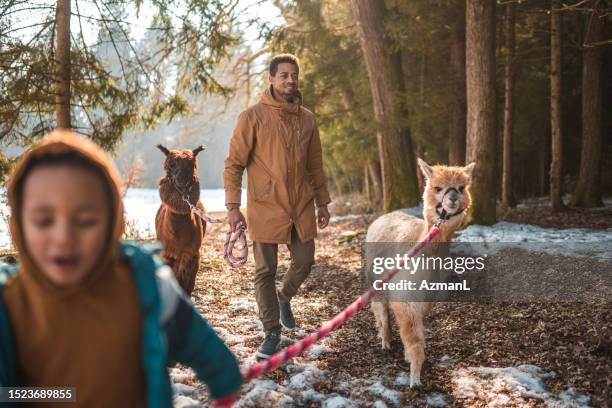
65, 262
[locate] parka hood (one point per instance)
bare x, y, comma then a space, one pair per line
267, 98
56, 143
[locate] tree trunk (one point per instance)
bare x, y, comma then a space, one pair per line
508, 199
420, 178
374, 169
556, 162
543, 165
366, 184
456, 143
481, 107
397, 159
62, 64
588, 188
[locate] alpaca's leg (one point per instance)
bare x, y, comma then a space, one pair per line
186, 271
169, 260
410, 323
381, 315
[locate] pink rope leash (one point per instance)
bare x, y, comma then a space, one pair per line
238, 235
297, 348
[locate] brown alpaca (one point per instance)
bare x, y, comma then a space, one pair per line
177, 227
446, 188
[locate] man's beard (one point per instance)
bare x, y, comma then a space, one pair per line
290, 97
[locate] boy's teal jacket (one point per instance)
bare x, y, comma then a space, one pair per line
173, 331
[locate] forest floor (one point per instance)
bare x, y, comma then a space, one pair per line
504, 354
509, 354
538, 212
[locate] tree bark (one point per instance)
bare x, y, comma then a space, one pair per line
588, 189
366, 184
543, 166
420, 178
62, 64
556, 162
508, 199
375, 176
397, 159
456, 143
481, 107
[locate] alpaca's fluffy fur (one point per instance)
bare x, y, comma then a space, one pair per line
400, 227
179, 229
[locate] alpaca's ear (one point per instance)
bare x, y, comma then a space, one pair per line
163, 149
469, 169
198, 150
425, 168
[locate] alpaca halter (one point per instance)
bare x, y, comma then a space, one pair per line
443, 215
231, 237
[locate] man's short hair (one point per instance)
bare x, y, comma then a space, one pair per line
282, 59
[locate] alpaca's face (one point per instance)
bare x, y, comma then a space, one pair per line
181, 165
446, 188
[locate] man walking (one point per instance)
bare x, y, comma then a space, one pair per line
277, 141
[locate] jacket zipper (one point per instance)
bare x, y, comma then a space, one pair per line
292, 165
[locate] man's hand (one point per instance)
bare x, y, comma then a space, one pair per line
322, 216
234, 218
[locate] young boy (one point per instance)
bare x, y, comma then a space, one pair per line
84, 309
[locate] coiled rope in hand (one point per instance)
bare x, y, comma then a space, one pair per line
231, 237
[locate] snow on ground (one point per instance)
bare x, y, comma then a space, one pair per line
348, 217
545, 202
580, 242
381, 391
511, 386
141, 205
514, 386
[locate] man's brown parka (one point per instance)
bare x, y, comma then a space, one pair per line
279, 146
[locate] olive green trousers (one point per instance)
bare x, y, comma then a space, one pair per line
266, 262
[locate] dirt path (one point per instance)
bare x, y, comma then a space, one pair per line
573, 340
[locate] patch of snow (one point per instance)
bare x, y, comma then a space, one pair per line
390, 395
181, 375
414, 211
315, 351
240, 305
579, 242
436, 399
339, 218
402, 379
309, 374
183, 389
338, 402
510, 386
445, 361
342, 385
379, 404
264, 393
569, 398
311, 395
545, 202
181, 401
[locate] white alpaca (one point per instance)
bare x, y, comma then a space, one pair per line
446, 194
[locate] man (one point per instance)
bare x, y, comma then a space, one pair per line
277, 141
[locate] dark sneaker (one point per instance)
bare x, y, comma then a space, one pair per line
286, 316
270, 345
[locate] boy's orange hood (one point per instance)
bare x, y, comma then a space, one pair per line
58, 142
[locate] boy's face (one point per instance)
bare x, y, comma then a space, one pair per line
65, 222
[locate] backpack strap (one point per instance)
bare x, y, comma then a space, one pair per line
8, 371
143, 264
